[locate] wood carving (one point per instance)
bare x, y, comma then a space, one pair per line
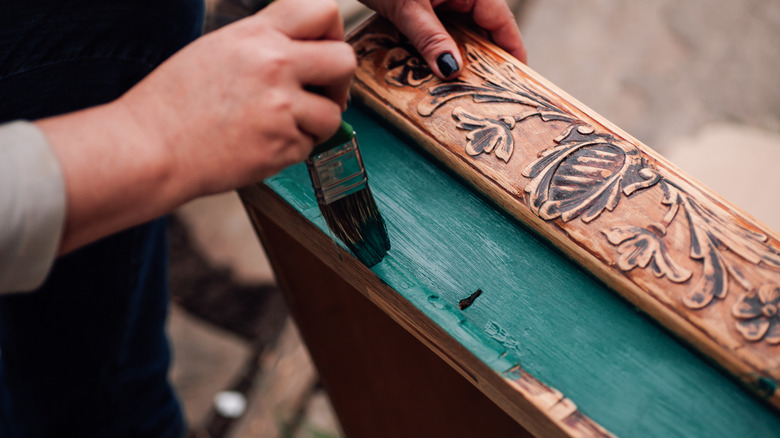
682, 254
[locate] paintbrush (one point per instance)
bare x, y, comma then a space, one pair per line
341, 185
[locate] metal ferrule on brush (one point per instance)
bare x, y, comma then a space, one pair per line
339, 178
337, 172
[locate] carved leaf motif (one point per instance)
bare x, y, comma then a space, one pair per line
584, 177
711, 235
444, 93
405, 69
642, 247
748, 244
492, 82
371, 42
714, 280
486, 134
507, 78
403, 64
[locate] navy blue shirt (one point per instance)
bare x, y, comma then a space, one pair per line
86, 354
46, 45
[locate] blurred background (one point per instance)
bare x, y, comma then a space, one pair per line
696, 80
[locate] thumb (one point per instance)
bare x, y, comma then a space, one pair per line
418, 21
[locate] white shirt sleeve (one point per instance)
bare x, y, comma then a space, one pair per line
32, 207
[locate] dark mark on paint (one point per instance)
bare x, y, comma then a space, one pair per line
466, 302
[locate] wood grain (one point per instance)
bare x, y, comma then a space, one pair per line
678, 251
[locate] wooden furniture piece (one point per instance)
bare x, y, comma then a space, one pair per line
549, 348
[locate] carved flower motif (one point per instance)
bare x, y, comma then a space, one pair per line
585, 175
758, 311
486, 135
405, 68
642, 247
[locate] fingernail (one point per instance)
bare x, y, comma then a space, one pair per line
447, 64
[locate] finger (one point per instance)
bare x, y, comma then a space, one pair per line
305, 19
496, 17
417, 20
316, 115
327, 65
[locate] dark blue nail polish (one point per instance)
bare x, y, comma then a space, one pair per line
447, 64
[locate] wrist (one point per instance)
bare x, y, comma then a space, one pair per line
153, 134
116, 172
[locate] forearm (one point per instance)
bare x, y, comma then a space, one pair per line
117, 173
230, 109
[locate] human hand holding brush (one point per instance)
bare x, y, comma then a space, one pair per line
336, 167
232, 108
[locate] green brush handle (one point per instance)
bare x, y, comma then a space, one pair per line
344, 134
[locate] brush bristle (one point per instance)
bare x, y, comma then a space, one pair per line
355, 219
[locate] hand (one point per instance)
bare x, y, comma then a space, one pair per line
230, 109
241, 97
417, 20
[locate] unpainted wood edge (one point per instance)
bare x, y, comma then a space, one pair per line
540, 409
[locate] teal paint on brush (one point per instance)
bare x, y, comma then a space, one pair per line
341, 187
537, 309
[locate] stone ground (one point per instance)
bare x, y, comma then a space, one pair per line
697, 83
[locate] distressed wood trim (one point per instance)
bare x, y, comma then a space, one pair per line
543, 411
701, 267
371, 385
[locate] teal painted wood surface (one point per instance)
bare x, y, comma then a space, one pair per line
546, 314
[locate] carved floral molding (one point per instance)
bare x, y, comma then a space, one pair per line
586, 172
